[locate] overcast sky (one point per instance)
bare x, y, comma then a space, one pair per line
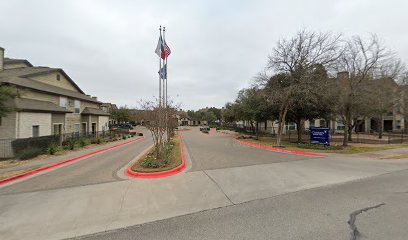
107, 47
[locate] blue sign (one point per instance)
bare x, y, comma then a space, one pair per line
320, 136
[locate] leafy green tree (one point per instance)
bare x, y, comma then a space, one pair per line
210, 117
228, 115
313, 100
6, 93
122, 114
252, 106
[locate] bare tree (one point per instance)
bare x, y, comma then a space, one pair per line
362, 60
161, 122
293, 61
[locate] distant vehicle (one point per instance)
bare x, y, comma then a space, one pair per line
124, 127
205, 129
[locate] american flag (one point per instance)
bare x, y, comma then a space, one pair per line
166, 49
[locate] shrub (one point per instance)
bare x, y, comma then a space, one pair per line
52, 148
140, 134
83, 142
99, 140
150, 162
29, 153
124, 137
69, 144
23, 144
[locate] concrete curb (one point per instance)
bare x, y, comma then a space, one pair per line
130, 173
183, 130
224, 134
279, 150
58, 164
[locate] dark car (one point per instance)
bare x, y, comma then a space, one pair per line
205, 129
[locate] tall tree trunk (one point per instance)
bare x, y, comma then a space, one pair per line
346, 126
257, 130
350, 132
299, 128
281, 124
380, 127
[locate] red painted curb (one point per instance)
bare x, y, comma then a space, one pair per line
278, 149
54, 165
130, 173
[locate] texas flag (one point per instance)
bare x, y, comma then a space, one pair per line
162, 49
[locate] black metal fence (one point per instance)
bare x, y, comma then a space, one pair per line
336, 136
12, 147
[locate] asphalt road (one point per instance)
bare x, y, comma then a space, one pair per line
101, 168
213, 151
374, 208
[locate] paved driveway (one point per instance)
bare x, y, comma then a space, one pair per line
214, 151
100, 168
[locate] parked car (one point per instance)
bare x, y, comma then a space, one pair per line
205, 129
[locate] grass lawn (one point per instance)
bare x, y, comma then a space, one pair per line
402, 156
351, 149
174, 162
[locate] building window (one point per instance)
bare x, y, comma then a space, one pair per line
58, 77
340, 125
77, 105
63, 102
291, 126
77, 129
36, 131
312, 123
322, 123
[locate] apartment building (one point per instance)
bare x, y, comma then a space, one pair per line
49, 102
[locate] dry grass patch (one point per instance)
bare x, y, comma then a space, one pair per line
402, 156
351, 149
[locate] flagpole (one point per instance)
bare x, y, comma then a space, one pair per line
165, 64
160, 80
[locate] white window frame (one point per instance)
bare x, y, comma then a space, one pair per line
63, 102
340, 125
77, 108
77, 133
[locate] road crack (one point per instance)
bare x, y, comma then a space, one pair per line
355, 234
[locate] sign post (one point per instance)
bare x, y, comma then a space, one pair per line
320, 136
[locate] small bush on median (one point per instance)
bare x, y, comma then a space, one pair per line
140, 134
151, 162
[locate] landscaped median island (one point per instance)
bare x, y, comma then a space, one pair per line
153, 162
166, 158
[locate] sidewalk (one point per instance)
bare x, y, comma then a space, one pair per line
76, 211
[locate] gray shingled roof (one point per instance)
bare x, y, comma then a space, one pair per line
11, 60
94, 111
39, 86
27, 72
32, 105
